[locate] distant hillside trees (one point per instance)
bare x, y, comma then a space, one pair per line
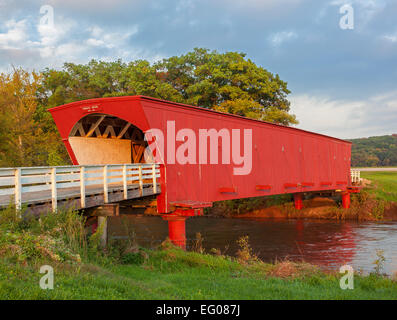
374, 151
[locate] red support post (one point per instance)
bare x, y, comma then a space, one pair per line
162, 204
176, 229
94, 226
346, 199
298, 201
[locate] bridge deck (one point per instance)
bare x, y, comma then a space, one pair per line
76, 186
39, 197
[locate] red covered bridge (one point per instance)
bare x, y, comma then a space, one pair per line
204, 155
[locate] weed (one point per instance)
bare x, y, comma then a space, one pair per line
379, 262
245, 253
198, 244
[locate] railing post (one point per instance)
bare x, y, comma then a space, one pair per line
125, 190
105, 184
18, 189
103, 223
154, 178
140, 180
54, 197
82, 187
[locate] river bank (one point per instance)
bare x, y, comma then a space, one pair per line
368, 209
124, 270
377, 201
364, 207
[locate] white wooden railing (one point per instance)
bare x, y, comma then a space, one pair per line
34, 184
355, 175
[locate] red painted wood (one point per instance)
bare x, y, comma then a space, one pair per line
263, 187
227, 190
290, 185
192, 204
280, 153
328, 183
355, 189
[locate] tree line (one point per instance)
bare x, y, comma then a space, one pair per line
374, 151
227, 82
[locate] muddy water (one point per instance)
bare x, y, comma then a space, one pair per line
329, 244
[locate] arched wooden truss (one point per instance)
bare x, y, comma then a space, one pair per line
108, 127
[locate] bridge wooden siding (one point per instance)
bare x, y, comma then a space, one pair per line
76, 186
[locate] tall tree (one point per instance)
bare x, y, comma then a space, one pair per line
227, 82
23, 137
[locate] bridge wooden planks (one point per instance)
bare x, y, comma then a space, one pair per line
70, 198
46, 188
69, 193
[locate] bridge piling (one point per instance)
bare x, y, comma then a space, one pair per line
176, 229
346, 200
298, 202
102, 213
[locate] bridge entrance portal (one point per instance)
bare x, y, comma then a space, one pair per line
103, 139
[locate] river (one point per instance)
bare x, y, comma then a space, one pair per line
329, 244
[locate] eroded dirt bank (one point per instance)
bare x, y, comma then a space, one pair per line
363, 209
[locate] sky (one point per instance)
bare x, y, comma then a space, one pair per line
340, 61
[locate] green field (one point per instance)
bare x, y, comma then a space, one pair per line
174, 274
384, 184
123, 270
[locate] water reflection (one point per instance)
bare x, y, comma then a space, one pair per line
327, 243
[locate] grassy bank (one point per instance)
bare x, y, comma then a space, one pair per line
82, 270
383, 186
174, 274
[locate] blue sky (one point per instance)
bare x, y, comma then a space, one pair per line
343, 82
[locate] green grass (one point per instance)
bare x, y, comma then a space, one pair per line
174, 274
384, 184
82, 270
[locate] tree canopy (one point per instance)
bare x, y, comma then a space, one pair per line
227, 82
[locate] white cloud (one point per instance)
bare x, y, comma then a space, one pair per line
51, 35
95, 31
110, 40
15, 36
92, 5
264, 4
70, 51
279, 38
95, 42
347, 119
390, 37
185, 5
63, 41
